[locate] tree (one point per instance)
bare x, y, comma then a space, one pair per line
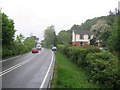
29, 43
114, 39
101, 30
50, 36
20, 38
64, 37
93, 41
8, 31
75, 27
11, 46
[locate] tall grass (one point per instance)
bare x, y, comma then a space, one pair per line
68, 75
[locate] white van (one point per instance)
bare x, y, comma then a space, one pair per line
38, 46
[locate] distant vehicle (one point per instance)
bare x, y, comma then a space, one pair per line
38, 46
54, 48
103, 49
35, 50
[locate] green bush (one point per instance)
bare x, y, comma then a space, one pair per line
16, 49
101, 66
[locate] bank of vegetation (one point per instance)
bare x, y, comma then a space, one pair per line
12, 45
68, 75
101, 67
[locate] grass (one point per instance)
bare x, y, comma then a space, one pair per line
68, 75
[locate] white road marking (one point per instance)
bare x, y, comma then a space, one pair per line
43, 82
15, 66
11, 58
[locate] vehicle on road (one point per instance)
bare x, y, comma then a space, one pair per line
54, 48
38, 46
35, 50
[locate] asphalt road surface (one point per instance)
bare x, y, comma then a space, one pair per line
30, 70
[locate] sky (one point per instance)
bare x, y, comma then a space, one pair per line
34, 16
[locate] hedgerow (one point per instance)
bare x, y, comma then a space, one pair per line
102, 67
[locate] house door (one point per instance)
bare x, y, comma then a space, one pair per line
81, 43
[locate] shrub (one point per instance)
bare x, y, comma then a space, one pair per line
82, 55
103, 68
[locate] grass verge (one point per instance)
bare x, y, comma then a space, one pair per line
68, 75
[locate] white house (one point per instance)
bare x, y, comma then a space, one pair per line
81, 37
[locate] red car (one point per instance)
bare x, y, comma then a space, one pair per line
35, 50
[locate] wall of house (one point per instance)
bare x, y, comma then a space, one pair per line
79, 44
73, 36
91, 36
76, 43
85, 43
77, 37
85, 37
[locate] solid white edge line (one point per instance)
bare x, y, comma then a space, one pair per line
43, 82
11, 58
51, 77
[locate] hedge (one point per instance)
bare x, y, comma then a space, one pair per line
102, 67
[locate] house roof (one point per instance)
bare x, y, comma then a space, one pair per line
83, 32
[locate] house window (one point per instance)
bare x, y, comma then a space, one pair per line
81, 36
89, 37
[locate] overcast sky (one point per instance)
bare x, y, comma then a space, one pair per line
33, 16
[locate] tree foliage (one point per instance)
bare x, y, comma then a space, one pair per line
101, 30
29, 42
64, 37
75, 27
50, 36
114, 39
20, 38
8, 30
10, 45
88, 24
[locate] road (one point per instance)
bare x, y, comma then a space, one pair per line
28, 70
